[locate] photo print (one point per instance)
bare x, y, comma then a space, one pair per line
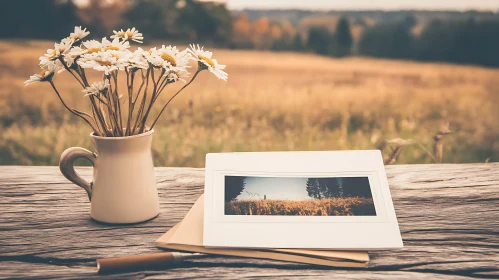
298, 196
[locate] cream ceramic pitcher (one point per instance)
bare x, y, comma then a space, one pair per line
124, 185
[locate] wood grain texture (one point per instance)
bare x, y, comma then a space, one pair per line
448, 216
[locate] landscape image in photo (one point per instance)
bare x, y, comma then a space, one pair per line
286, 196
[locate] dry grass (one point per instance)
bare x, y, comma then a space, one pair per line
272, 101
348, 206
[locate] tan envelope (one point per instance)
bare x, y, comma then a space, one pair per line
188, 236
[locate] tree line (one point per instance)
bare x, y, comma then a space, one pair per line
471, 40
320, 188
180, 20
468, 41
317, 188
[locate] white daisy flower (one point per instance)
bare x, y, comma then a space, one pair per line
69, 58
156, 61
174, 76
169, 58
173, 56
75, 52
97, 88
137, 60
115, 45
67, 41
104, 61
59, 49
79, 33
44, 60
205, 61
46, 74
153, 58
150, 52
92, 46
130, 34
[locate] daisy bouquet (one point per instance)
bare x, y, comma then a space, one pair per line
125, 111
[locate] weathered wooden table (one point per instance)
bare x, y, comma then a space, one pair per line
448, 215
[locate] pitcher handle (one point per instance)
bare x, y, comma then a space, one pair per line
66, 165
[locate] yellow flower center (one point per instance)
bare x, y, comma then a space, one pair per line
123, 33
209, 61
53, 54
112, 48
43, 73
169, 58
94, 50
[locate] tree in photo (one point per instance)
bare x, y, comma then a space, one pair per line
241, 32
387, 40
297, 44
340, 187
152, 17
343, 40
261, 33
324, 188
41, 19
334, 187
204, 21
319, 40
234, 186
313, 189
356, 187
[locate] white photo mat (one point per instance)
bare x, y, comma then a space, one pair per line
314, 232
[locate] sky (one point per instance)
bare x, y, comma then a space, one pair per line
366, 4
275, 188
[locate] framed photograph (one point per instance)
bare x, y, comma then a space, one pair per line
315, 200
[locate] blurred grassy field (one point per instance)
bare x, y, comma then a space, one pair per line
272, 101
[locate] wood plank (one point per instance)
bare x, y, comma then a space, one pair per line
448, 216
219, 270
